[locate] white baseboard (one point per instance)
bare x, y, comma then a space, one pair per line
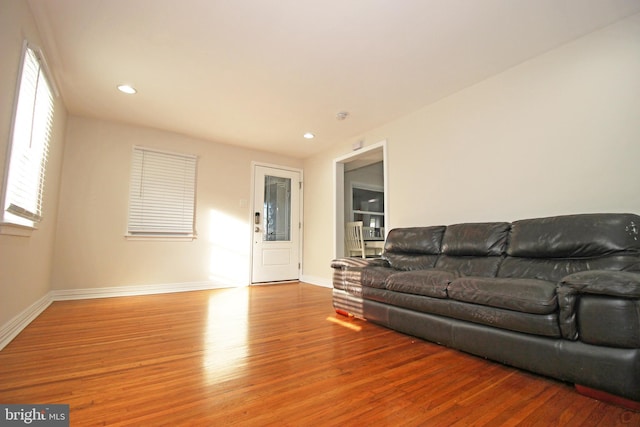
13, 327
126, 291
318, 281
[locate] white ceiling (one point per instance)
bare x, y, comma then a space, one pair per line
260, 73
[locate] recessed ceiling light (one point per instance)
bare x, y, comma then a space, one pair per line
127, 89
309, 135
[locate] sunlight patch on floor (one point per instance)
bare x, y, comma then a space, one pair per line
226, 337
345, 323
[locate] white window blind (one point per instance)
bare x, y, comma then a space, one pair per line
33, 123
162, 194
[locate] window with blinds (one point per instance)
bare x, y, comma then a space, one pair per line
162, 194
31, 132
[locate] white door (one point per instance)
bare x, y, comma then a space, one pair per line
276, 225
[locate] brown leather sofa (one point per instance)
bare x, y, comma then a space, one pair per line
557, 296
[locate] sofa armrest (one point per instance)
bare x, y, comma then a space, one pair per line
342, 263
621, 284
347, 273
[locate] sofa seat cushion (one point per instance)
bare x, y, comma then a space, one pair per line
523, 295
430, 283
375, 277
534, 324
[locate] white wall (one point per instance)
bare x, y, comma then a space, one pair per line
25, 262
558, 134
91, 250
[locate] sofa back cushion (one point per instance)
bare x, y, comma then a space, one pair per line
575, 236
413, 248
475, 239
473, 249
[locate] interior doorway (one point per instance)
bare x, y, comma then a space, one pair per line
363, 157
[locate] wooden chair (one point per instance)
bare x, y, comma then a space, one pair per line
354, 240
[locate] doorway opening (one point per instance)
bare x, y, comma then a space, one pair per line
348, 205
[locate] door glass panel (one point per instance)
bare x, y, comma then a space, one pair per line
277, 209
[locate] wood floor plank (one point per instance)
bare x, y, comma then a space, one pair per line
269, 355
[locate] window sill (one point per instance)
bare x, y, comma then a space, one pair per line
10, 229
159, 238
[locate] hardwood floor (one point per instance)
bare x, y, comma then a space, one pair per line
267, 355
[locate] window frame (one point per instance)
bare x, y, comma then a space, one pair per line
15, 219
135, 224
